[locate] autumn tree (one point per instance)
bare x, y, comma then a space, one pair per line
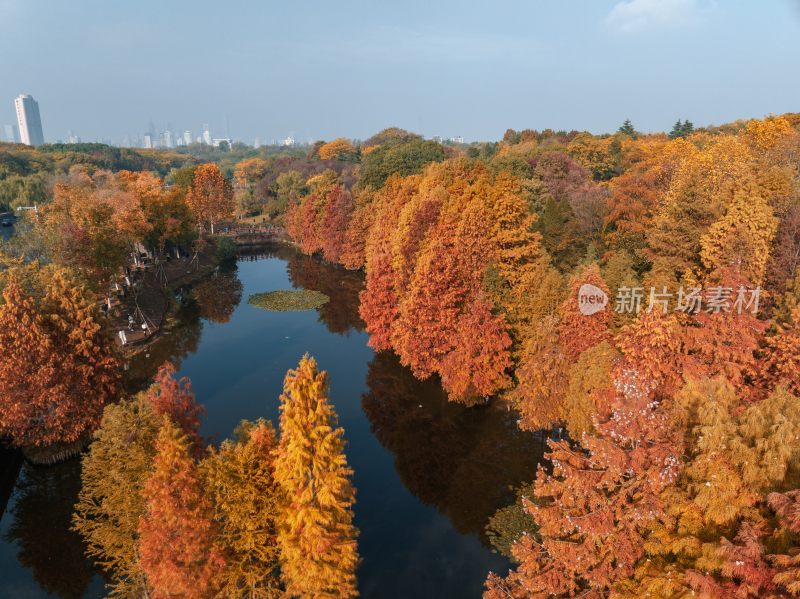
713, 536
338, 149
592, 511
111, 499
172, 397
316, 535
541, 378
58, 370
355, 242
379, 300
177, 532
335, 217
210, 197
579, 327
240, 481
249, 171
742, 238
92, 223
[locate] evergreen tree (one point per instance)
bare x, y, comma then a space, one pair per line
677, 130
316, 535
628, 129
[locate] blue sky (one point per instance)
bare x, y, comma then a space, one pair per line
323, 69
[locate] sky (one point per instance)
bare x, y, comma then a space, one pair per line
320, 69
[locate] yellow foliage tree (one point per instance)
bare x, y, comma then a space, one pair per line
239, 478
589, 380
338, 149
316, 535
110, 502
742, 238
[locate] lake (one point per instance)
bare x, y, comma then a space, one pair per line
428, 473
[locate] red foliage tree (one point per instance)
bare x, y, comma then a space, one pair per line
379, 300
172, 397
336, 215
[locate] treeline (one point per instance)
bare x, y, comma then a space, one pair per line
679, 395
261, 515
27, 174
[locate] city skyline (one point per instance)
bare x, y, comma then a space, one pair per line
455, 69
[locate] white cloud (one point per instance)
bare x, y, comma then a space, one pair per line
638, 15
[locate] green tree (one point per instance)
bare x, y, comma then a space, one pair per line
627, 129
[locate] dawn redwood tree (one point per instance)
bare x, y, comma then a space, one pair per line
541, 378
58, 370
241, 482
354, 248
379, 301
529, 288
715, 534
592, 511
177, 532
337, 212
210, 197
111, 500
479, 363
577, 331
173, 398
316, 535
742, 238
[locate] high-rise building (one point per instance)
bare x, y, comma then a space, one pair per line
29, 120
206, 135
11, 133
168, 138
147, 141
187, 137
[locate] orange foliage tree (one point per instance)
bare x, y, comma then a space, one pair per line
58, 370
177, 532
210, 197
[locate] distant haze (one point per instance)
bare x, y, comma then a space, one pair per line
319, 69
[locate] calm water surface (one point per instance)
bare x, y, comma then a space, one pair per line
429, 473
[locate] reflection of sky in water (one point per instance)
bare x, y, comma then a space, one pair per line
428, 473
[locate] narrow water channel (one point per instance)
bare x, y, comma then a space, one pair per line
429, 473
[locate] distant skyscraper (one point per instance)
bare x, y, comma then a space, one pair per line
168, 139
187, 137
11, 133
147, 141
30, 123
206, 135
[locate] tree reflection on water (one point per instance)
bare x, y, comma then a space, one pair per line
465, 461
41, 517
